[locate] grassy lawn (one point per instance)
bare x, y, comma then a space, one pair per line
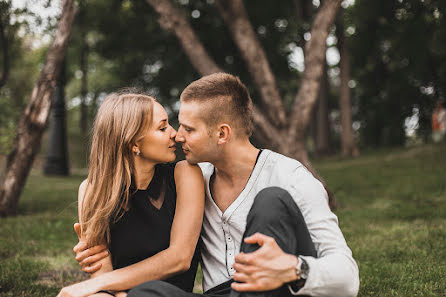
392, 212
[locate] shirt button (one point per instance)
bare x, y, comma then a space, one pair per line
229, 238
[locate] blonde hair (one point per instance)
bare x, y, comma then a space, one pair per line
118, 126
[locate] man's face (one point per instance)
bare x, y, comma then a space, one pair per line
198, 144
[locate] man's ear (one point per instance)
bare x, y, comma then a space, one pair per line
224, 133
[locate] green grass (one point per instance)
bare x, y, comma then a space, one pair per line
392, 212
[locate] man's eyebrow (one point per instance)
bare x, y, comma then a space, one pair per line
184, 125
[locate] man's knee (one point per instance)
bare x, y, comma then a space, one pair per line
272, 203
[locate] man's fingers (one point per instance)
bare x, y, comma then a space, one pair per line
93, 259
246, 269
241, 277
77, 228
243, 287
258, 238
243, 258
80, 246
92, 269
90, 252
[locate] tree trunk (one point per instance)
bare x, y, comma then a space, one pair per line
322, 135
289, 138
236, 18
173, 21
349, 148
33, 120
314, 63
56, 161
84, 69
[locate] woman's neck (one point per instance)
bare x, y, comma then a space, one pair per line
143, 174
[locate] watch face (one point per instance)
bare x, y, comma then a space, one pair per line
304, 269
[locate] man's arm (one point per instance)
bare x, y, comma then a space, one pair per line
333, 273
266, 269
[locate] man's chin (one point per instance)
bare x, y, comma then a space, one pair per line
191, 160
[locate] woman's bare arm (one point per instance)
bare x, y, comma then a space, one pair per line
185, 232
102, 254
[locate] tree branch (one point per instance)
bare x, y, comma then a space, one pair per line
267, 130
173, 21
236, 18
315, 55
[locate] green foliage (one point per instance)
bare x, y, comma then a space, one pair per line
399, 63
24, 65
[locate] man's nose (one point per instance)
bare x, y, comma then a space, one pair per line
179, 137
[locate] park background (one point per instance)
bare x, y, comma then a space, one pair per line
347, 87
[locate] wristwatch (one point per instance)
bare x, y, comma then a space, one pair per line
302, 270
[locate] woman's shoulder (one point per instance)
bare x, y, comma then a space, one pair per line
184, 167
82, 189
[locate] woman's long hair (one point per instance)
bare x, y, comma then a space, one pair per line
118, 126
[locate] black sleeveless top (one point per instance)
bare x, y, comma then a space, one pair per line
144, 230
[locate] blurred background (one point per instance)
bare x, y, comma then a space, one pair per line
354, 89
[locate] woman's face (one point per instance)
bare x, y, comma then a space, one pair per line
157, 144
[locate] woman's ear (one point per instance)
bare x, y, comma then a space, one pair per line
224, 133
136, 150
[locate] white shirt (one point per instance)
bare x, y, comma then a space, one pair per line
333, 273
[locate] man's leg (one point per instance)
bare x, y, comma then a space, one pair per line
274, 213
158, 288
164, 289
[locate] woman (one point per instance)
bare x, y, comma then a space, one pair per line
148, 213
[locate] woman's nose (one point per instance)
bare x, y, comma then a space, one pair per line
173, 132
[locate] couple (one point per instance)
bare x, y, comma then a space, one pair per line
261, 219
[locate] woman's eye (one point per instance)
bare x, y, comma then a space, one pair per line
163, 129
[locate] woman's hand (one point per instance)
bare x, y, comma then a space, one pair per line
81, 289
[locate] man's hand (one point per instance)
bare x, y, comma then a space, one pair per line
88, 257
266, 269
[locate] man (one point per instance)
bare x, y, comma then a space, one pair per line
258, 202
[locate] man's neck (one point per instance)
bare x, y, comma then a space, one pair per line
237, 162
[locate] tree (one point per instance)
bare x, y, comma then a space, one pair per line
276, 125
285, 131
349, 147
33, 120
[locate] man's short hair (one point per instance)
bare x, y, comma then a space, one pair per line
225, 97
